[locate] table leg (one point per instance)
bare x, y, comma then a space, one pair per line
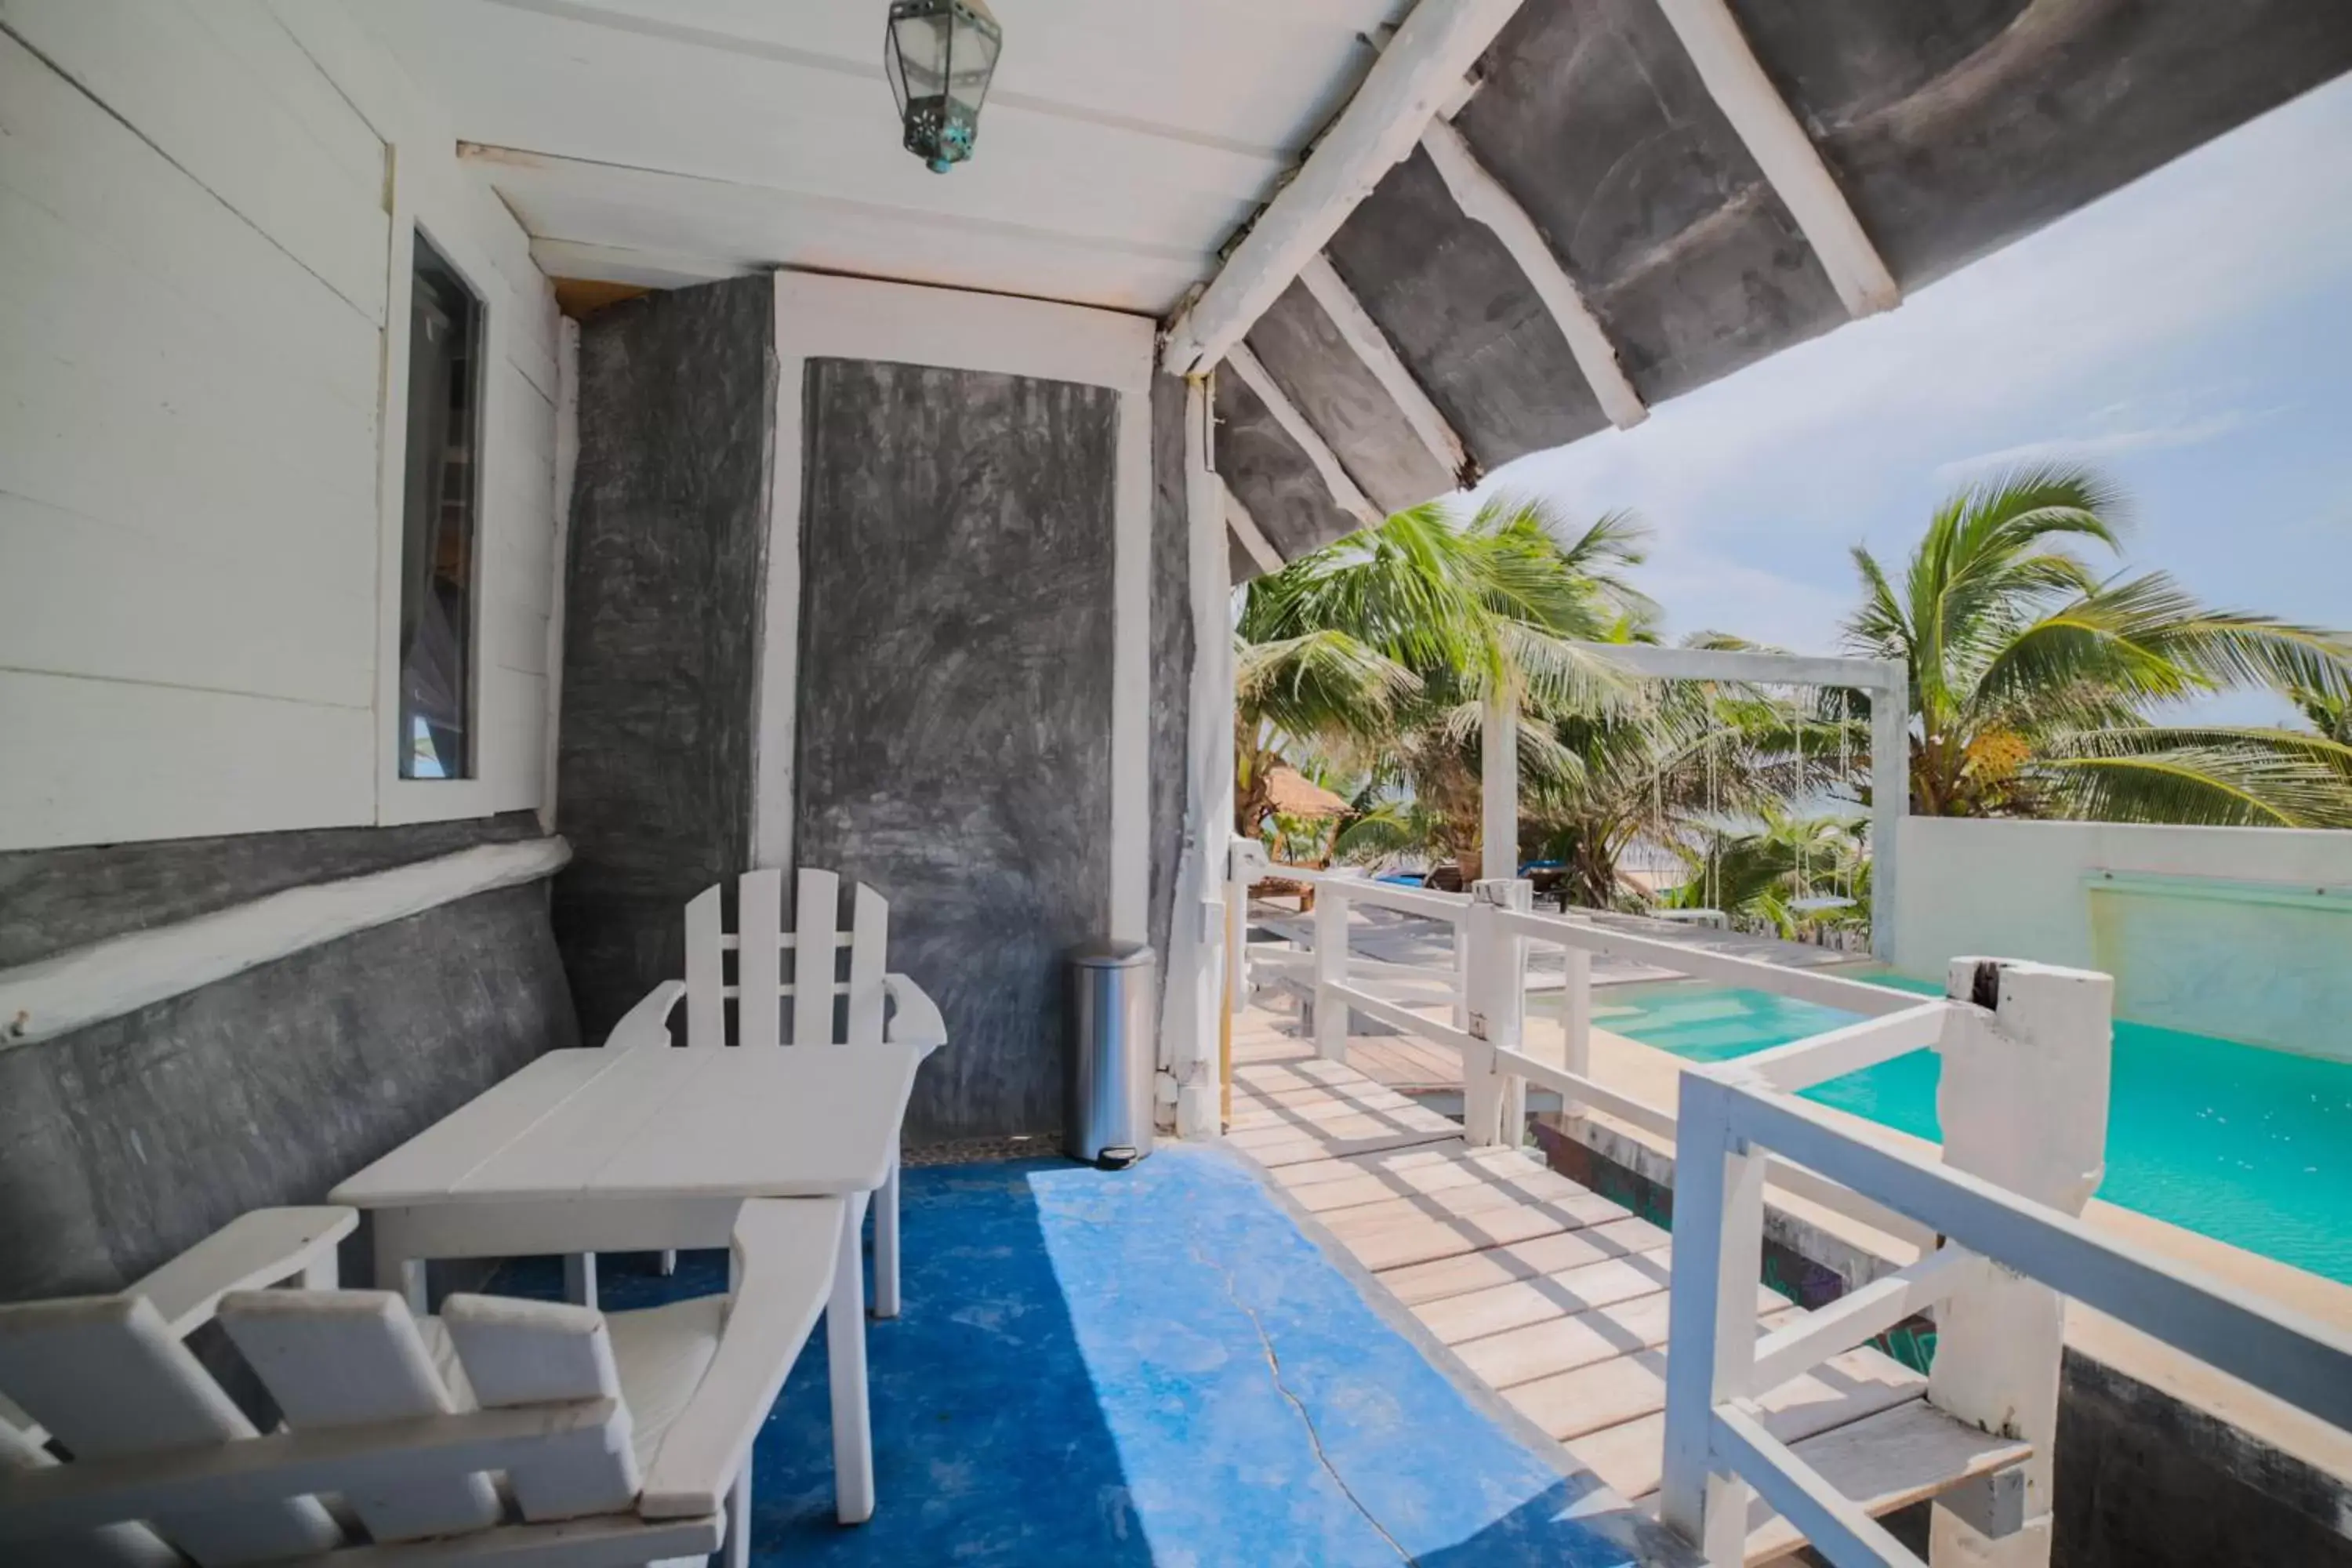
844, 1340
393, 1269
580, 1278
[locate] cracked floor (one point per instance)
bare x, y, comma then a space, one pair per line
1148, 1367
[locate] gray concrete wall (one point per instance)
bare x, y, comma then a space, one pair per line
52, 899
124, 1143
1172, 650
665, 587
955, 701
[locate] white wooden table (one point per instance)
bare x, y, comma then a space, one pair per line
653, 1148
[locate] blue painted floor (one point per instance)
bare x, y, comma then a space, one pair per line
1147, 1367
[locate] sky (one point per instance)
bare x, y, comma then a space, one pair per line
2190, 334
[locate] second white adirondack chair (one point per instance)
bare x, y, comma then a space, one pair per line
621, 1441
837, 990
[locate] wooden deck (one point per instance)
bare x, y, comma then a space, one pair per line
1551, 1294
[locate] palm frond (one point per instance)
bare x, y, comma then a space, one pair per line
2211, 777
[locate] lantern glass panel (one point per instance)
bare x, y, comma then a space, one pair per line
974, 63
920, 53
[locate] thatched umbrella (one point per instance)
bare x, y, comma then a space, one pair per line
1293, 794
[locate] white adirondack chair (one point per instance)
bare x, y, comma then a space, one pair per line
618, 1441
839, 993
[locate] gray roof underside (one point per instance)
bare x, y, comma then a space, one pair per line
1953, 126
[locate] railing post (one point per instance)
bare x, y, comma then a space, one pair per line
1576, 1005
1462, 975
1494, 1103
2023, 1103
1330, 971
1245, 862
1711, 1318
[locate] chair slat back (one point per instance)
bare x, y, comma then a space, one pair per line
816, 939
107, 1378
706, 971
869, 938
760, 944
354, 1358
540, 1353
758, 958
110, 1546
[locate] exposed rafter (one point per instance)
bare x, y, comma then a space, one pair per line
1418, 73
1345, 495
1379, 356
1253, 542
1736, 80
1481, 196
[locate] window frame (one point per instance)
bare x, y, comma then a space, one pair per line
485, 790
478, 372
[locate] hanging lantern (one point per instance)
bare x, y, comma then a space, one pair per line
939, 54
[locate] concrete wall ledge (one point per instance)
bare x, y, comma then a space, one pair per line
108, 979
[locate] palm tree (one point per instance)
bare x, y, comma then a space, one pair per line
1382, 647
2034, 678
2330, 715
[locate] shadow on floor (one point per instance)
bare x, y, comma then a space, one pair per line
1151, 1367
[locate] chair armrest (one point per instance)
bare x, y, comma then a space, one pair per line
250, 1252
784, 1254
648, 1021
914, 1018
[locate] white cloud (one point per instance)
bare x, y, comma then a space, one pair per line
2109, 444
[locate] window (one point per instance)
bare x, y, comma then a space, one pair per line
439, 503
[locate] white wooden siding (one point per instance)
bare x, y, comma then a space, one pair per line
202, 247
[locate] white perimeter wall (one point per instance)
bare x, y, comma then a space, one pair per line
203, 271
2227, 963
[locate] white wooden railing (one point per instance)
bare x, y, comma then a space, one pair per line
2006, 1196
2022, 1101
1896, 1023
1337, 979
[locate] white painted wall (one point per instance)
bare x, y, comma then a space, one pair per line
2232, 942
204, 218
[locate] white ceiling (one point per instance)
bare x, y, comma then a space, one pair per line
663, 140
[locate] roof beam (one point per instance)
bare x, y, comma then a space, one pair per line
1344, 493
1736, 80
1254, 543
1481, 196
1419, 71
1379, 356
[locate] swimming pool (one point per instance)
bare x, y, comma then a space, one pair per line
2253, 1147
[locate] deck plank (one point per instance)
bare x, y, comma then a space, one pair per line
1562, 1344
1551, 1294
1545, 1255
1477, 1313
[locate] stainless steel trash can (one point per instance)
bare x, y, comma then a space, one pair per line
1108, 1116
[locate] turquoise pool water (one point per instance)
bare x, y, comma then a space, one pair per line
2251, 1147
